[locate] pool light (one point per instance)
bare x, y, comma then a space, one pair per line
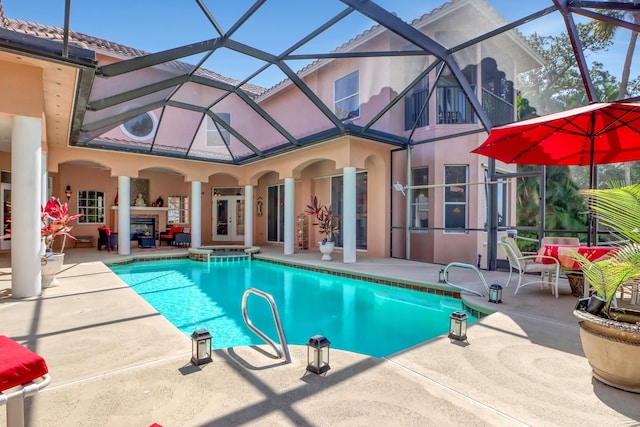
318, 354
495, 293
458, 326
200, 347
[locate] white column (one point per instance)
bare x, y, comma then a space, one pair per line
196, 214
26, 169
289, 215
349, 215
44, 181
248, 215
124, 215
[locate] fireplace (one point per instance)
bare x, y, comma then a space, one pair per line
143, 226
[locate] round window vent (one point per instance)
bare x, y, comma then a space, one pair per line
141, 127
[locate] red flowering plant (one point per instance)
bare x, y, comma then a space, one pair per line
55, 222
326, 220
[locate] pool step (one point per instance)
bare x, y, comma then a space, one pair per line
222, 253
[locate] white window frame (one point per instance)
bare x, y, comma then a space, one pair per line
355, 95
464, 204
177, 214
217, 138
96, 204
419, 208
146, 137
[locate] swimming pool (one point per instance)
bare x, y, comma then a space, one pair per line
358, 316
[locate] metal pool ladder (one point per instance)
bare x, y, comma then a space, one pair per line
283, 350
471, 267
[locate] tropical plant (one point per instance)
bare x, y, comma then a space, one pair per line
55, 222
326, 220
618, 208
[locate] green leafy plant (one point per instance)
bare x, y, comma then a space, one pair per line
618, 208
326, 220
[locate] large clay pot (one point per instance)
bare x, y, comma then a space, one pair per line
612, 349
327, 249
50, 266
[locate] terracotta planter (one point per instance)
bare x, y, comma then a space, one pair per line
50, 266
612, 349
327, 249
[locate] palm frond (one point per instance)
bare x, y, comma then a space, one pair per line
617, 208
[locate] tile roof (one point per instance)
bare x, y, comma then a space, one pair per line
108, 47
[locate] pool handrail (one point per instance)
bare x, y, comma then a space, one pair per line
283, 351
469, 266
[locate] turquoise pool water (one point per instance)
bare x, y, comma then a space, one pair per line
358, 316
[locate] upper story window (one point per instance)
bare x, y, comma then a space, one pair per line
455, 198
141, 127
347, 96
452, 104
217, 136
91, 206
416, 108
178, 209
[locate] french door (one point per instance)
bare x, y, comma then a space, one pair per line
228, 218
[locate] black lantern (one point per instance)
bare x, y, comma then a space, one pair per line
495, 293
458, 325
200, 347
443, 276
318, 354
67, 192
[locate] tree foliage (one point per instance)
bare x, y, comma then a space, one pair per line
558, 86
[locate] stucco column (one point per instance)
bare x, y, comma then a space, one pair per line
248, 215
349, 215
289, 215
26, 182
196, 214
44, 181
124, 215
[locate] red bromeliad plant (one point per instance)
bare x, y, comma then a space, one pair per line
327, 221
55, 222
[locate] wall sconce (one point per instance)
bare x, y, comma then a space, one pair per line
259, 204
200, 347
317, 357
495, 293
458, 326
67, 192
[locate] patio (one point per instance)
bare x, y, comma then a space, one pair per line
115, 361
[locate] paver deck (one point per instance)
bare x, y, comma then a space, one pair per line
115, 361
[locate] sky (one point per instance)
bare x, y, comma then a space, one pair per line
156, 25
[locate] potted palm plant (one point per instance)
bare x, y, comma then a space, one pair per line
55, 220
327, 223
610, 335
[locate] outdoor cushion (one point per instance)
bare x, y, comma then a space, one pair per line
172, 231
18, 364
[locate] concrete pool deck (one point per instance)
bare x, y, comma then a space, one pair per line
114, 361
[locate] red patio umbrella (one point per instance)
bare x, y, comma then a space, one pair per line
595, 134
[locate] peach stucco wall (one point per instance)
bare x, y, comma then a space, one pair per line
87, 169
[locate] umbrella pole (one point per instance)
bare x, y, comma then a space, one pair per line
592, 231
